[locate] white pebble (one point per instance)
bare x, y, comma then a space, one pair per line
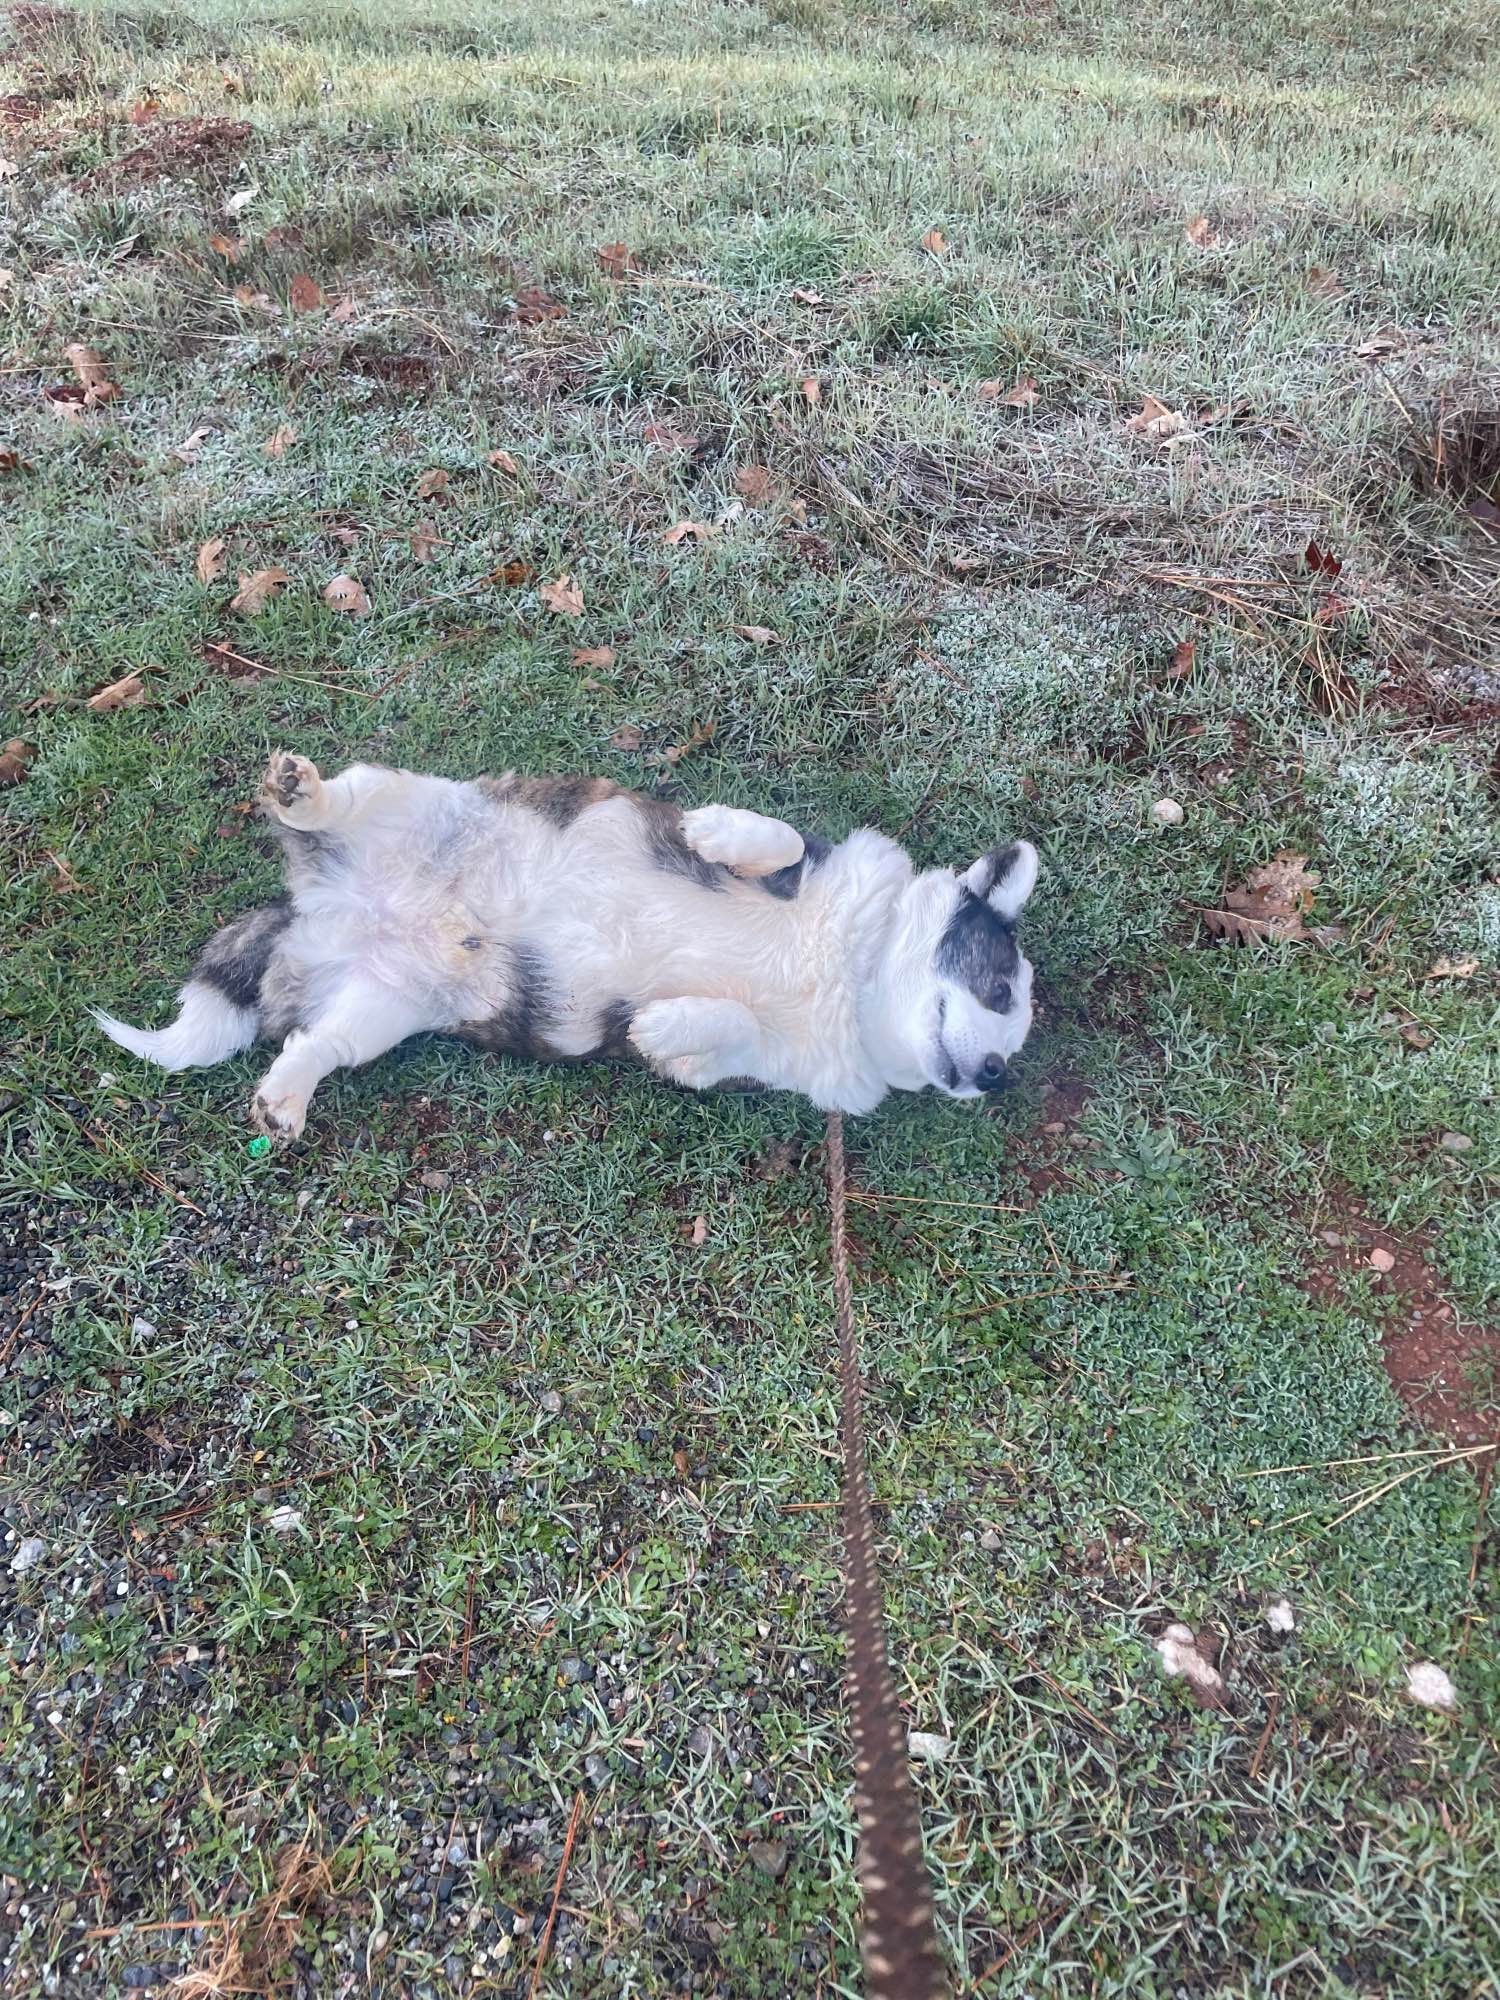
143, 1329
1167, 812
28, 1555
283, 1520
1280, 1616
931, 1749
1427, 1683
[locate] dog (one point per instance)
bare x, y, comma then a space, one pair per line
565, 919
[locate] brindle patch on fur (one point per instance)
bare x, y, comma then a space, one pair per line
667, 845
614, 1031
235, 958
518, 1027
977, 950
559, 801
786, 883
309, 857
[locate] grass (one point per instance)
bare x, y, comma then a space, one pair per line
557, 1474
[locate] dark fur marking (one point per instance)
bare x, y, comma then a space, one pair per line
614, 1031
518, 1028
559, 801
786, 883
309, 857
976, 949
667, 846
235, 958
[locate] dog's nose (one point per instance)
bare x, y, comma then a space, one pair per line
991, 1073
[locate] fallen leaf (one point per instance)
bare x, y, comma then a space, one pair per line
616, 260
514, 574
347, 594
14, 758
128, 692
240, 200
257, 589
564, 597
935, 243
65, 882
8, 169
192, 444
1155, 420
503, 462
93, 376
67, 399
533, 305
344, 311
305, 293
1183, 655
1199, 232
1377, 345
700, 1232
1415, 1037
1322, 562
680, 531
805, 296
703, 733
1020, 396
10, 459
210, 559
346, 537
628, 738
928, 1746
679, 1456
755, 483
1272, 903
594, 656
144, 110
247, 295
812, 389
276, 444
432, 483
1322, 283
284, 1520
230, 248
758, 635
426, 541
670, 437
1381, 1260
1452, 968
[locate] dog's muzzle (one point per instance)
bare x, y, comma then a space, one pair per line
992, 1074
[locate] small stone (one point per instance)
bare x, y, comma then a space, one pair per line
284, 1520
550, 1401
434, 1177
929, 1748
1332, 1238
28, 1554
1381, 1260
1280, 1616
458, 1852
1167, 812
990, 1541
1455, 1142
144, 1329
573, 1670
1427, 1683
769, 1857
596, 1768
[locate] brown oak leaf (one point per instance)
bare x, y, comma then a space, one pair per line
257, 589
128, 692
347, 594
564, 597
209, 561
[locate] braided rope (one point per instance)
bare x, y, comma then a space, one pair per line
898, 1936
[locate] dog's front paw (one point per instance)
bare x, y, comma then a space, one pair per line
292, 788
280, 1117
693, 1042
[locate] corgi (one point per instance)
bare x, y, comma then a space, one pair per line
568, 919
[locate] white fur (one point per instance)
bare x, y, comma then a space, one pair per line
431, 885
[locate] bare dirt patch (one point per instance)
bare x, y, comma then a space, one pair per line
1443, 1368
178, 145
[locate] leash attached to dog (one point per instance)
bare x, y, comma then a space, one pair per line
898, 1935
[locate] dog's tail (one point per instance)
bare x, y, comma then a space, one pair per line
218, 1011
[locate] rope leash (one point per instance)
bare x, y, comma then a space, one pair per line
898, 1935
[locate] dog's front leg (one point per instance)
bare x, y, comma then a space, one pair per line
747, 842
699, 1042
295, 792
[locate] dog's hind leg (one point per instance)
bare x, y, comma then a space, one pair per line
699, 1042
747, 842
360, 1021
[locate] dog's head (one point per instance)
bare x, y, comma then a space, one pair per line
957, 986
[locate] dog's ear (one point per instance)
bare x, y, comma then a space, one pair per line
1004, 877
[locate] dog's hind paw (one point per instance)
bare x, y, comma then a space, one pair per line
293, 789
695, 1042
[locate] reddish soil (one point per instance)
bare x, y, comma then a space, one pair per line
1047, 1167
178, 145
21, 107
1443, 1370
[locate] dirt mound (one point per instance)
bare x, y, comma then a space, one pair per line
1443, 1369
178, 145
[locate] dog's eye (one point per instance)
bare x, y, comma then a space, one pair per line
1000, 997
